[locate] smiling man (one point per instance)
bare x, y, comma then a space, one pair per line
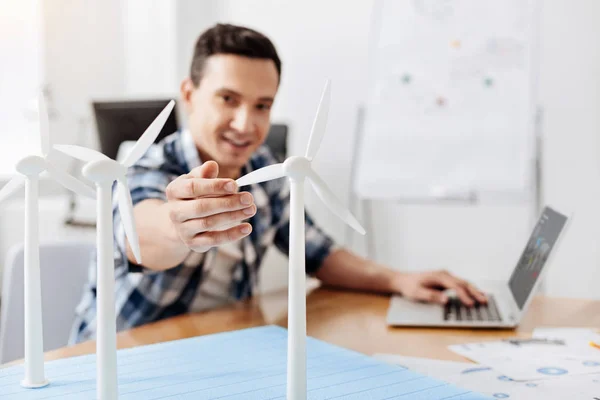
202, 238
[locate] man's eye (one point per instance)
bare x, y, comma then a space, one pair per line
263, 107
227, 98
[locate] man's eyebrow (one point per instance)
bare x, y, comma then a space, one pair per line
234, 93
230, 91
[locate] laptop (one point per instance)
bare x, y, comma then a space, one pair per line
507, 300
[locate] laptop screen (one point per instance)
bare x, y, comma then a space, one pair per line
533, 258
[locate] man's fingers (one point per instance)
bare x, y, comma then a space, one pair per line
476, 293
192, 187
208, 170
459, 286
204, 241
463, 295
201, 181
204, 207
430, 296
216, 222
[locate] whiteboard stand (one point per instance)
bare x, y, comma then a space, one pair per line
366, 212
472, 198
538, 195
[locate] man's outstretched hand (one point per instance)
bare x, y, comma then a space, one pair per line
207, 211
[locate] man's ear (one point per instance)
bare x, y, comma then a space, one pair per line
187, 90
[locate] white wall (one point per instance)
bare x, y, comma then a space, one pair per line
21, 71
192, 17
318, 39
150, 33
82, 59
570, 93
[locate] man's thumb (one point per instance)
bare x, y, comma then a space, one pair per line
208, 170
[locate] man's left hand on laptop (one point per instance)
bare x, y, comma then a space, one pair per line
430, 286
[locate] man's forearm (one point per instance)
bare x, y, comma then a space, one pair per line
160, 245
348, 270
345, 269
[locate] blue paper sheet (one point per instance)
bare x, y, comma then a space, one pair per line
248, 364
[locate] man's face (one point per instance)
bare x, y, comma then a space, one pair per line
229, 111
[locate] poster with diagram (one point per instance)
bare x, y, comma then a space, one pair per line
450, 109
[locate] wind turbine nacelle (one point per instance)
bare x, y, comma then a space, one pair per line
296, 167
31, 165
103, 170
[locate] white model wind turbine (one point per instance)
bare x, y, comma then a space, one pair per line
296, 169
104, 171
30, 168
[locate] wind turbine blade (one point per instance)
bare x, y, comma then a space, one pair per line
11, 187
126, 212
44, 126
334, 204
149, 136
320, 123
81, 153
69, 181
267, 173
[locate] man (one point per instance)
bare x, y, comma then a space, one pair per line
198, 250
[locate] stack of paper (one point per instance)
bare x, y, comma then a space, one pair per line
550, 353
556, 363
487, 381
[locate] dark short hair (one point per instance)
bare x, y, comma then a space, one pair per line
231, 39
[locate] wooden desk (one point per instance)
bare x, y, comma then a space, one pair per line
352, 320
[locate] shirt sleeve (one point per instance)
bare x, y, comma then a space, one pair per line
147, 179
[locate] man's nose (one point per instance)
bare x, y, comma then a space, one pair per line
243, 121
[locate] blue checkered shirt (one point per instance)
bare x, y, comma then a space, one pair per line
144, 296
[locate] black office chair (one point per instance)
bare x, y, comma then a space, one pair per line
118, 121
277, 141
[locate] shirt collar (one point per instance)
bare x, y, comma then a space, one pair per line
189, 150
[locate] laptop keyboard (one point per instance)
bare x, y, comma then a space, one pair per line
455, 310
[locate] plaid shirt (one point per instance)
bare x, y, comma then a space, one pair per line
142, 295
